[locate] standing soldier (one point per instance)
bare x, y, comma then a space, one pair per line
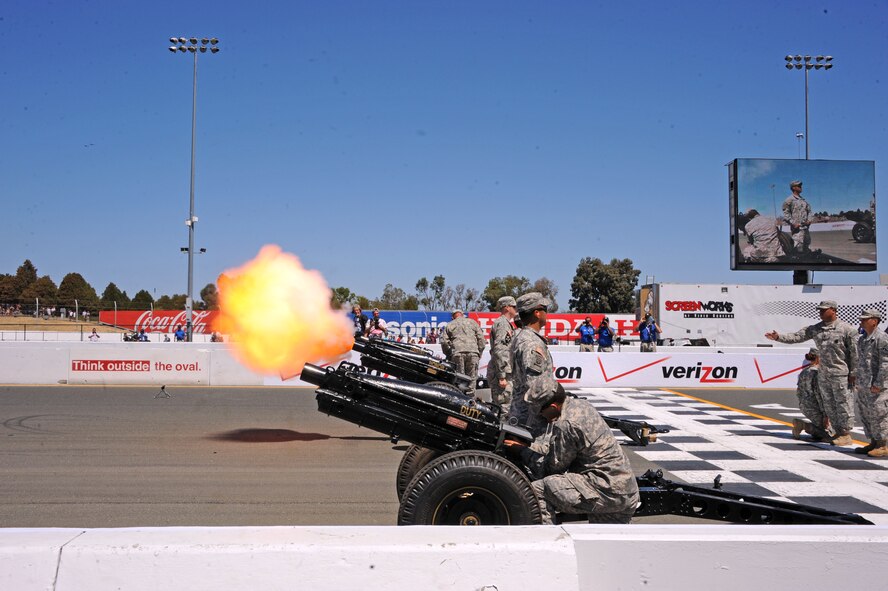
836, 341
499, 370
463, 342
796, 213
533, 373
810, 402
872, 374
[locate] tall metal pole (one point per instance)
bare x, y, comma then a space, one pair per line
180, 44
807, 135
189, 305
807, 63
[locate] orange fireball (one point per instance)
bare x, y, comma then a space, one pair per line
278, 315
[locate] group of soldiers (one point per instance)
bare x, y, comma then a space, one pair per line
763, 233
580, 467
848, 368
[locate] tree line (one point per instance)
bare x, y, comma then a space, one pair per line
596, 287
25, 289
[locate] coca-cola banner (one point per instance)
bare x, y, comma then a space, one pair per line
158, 320
411, 324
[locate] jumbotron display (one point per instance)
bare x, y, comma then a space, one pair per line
817, 215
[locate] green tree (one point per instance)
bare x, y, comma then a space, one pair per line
75, 287
438, 288
423, 294
395, 298
547, 287
363, 302
9, 291
341, 297
44, 288
510, 285
209, 297
112, 295
142, 300
173, 302
600, 287
25, 275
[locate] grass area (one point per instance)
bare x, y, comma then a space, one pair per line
30, 323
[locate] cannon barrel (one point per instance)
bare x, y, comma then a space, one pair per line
314, 374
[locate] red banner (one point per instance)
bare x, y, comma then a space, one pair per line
158, 320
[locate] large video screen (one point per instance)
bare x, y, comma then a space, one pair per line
802, 214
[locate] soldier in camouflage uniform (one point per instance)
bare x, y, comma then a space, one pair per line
810, 402
836, 341
796, 213
763, 236
533, 373
582, 468
463, 342
499, 370
872, 375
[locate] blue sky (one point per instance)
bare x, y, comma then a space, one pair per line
385, 141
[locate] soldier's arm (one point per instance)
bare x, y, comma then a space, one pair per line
799, 336
539, 381
479, 336
881, 370
851, 347
563, 445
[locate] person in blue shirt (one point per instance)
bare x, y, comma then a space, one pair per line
649, 332
180, 334
605, 336
143, 338
587, 335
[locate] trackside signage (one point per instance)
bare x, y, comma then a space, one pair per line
133, 364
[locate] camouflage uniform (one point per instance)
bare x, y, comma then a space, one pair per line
872, 370
585, 469
810, 402
463, 342
838, 356
797, 211
500, 365
533, 375
765, 244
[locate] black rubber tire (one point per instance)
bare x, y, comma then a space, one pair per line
862, 233
414, 460
469, 488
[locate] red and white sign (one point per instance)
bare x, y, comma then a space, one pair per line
158, 320
564, 326
110, 365
126, 363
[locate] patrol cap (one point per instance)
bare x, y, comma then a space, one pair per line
826, 304
532, 301
814, 351
871, 313
455, 312
795, 184
505, 301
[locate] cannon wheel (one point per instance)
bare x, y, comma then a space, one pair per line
861, 233
469, 488
415, 458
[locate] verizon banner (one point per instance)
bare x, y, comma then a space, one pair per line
771, 369
742, 314
136, 364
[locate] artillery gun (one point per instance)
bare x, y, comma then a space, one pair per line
456, 472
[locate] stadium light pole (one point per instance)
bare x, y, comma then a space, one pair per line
798, 62
183, 45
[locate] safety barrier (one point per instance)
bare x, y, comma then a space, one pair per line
212, 364
589, 557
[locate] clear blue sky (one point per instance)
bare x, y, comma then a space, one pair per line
385, 141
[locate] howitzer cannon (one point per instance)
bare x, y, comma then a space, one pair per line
416, 364
457, 473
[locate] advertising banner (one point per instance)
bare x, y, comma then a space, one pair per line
134, 364
742, 314
407, 324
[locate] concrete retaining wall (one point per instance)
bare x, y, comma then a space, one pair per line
588, 557
211, 364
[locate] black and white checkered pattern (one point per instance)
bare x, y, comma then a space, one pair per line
808, 310
753, 456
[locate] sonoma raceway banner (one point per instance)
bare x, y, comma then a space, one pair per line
771, 369
560, 328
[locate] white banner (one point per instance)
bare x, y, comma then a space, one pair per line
742, 314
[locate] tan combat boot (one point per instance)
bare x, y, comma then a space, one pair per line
873, 444
798, 425
842, 440
879, 452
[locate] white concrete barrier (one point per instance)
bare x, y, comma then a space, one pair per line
588, 557
213, 364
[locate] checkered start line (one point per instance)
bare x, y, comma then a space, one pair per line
756, 457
